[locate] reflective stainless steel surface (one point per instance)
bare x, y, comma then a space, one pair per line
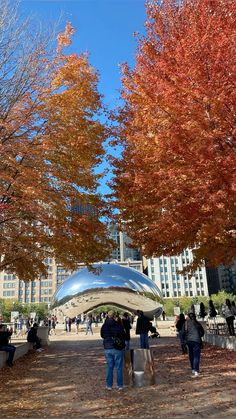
111, 284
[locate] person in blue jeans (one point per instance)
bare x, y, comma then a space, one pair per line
193, 332
142, 328
114, 357
5, 335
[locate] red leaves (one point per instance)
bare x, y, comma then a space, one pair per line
177, 128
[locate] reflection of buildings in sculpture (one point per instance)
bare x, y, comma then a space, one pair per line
111, 284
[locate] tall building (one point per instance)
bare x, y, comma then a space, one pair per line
227, 278
164, 271
123, 252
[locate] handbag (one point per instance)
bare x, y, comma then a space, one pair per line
118, 343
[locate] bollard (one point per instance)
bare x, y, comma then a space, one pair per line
139, 368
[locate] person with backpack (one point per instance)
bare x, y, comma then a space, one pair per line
113, 335
193, 333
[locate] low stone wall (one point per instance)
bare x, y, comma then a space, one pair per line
21, 349
227, 342
24, 347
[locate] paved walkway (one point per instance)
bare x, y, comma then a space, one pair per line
68, 380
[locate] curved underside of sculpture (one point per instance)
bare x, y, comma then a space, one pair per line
109, 284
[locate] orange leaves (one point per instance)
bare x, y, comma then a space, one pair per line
64, 38
52, 143
177, 127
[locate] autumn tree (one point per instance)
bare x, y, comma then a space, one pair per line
51, 143
176, 181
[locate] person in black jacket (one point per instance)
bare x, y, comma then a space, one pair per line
33, 338
142, 328
127, 326
111, 330
5, 346
181, 333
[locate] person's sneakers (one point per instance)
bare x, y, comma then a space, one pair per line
108, 388
39, 350
120, 388
193, 371
195, 374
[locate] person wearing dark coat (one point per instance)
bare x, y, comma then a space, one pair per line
127, 326
33, 338
5, 346
180, 330
110, 330
142, 328
212, 310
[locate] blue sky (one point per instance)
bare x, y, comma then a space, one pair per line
104, 28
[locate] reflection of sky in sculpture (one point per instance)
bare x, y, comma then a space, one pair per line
110, 276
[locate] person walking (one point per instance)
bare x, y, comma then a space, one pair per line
5, 335
193, 334
88, 324
77, 323
228, 313
181, 332
142, 328
112, 333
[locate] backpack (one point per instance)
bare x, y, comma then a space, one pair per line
201, 331
118, 343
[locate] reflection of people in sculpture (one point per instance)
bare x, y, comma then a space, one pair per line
142, 329
88, 323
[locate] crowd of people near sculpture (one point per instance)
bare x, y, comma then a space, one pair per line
189, 331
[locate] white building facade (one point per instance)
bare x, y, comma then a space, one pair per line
164, 271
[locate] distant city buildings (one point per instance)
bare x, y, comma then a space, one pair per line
164, 271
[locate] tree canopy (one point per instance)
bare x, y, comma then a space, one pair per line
176, 181
51, 143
